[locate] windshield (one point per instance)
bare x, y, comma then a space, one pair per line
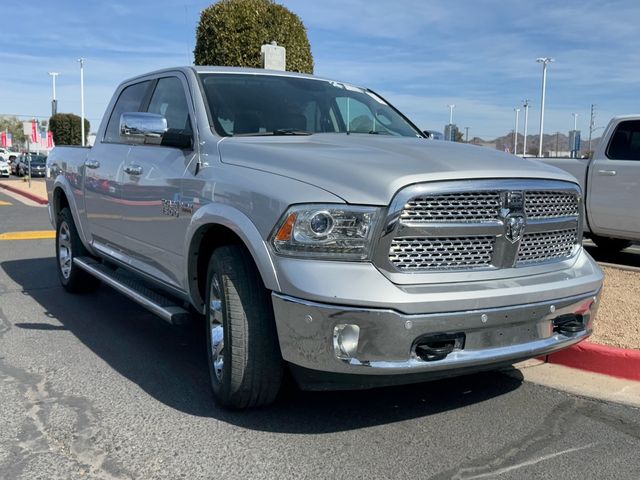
37, 159
245, 104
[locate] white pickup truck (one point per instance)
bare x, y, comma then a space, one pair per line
610, 183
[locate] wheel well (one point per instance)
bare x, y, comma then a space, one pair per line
60, 201
204, 242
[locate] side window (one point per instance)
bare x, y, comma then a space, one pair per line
625, 142
170, 101
130, 100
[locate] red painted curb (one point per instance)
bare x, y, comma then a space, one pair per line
30, 196
617, 362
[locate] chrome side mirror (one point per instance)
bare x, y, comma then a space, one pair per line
142, 127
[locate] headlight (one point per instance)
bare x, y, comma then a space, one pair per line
340, 232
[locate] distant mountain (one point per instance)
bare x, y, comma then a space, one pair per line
553, 142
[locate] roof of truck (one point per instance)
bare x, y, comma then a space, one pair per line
237, 70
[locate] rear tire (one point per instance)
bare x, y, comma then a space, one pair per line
245, 364
68, 246
611, 244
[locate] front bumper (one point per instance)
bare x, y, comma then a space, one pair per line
387, 338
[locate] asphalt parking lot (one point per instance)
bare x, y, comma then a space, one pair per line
93, 386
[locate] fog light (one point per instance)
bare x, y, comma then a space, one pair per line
345, 340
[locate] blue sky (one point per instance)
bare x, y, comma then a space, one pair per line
420, 55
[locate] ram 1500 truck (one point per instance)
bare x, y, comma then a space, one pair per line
315, 228
610, 183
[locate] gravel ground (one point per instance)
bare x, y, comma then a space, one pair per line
618, 323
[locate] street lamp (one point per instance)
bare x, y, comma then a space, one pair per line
525, 104
81, 60
544, 61
515, 132
54, 102
451, 107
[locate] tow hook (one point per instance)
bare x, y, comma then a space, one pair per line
569, 324
436, 347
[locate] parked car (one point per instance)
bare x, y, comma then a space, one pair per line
38, 165
315, 228
610, 183
5, 169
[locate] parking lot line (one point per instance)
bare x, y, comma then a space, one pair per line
31, 235
4, 204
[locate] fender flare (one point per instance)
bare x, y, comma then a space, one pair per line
243, 227
62, 183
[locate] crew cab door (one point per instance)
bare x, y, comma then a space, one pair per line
103, 170
154, 215
614, 184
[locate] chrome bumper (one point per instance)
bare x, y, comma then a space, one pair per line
387, 338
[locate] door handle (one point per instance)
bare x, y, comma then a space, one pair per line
92, 164
133, 169
607, 173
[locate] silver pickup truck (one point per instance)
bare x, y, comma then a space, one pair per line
311, 226
610, 183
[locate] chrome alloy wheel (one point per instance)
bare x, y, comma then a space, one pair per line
65, 256
216, 328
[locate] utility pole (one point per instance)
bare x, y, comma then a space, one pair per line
515, 132
525, 104
545, 61
54, 102
591, 123
81, 60
466, 134
557, 142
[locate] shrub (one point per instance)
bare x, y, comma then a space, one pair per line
66, 130
231, 32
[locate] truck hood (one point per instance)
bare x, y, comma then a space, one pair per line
368, 169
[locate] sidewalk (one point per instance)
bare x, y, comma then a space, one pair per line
37, 193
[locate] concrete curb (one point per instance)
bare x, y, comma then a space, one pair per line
29, 195
616, 362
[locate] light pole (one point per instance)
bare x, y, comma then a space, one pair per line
81, 60
466, 134
544, 61
515, 132
526, 121
54, 102
451, 107
449, 130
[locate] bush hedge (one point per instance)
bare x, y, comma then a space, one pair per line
231, 32
66, 130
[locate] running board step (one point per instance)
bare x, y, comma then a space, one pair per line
136, 290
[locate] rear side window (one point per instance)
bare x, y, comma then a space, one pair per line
625, 143
130, 100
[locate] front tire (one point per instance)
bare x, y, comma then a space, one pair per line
245, 364
68, 246
611, 245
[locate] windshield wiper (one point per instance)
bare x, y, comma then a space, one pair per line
378, 132
289, 131
276, 132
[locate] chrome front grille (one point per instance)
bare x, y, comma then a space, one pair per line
419, 253
453, 207
480, 225
485, 206
546, 246
550, 204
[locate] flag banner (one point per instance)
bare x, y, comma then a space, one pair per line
34, 133
4, 139
9, 139
50, 140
